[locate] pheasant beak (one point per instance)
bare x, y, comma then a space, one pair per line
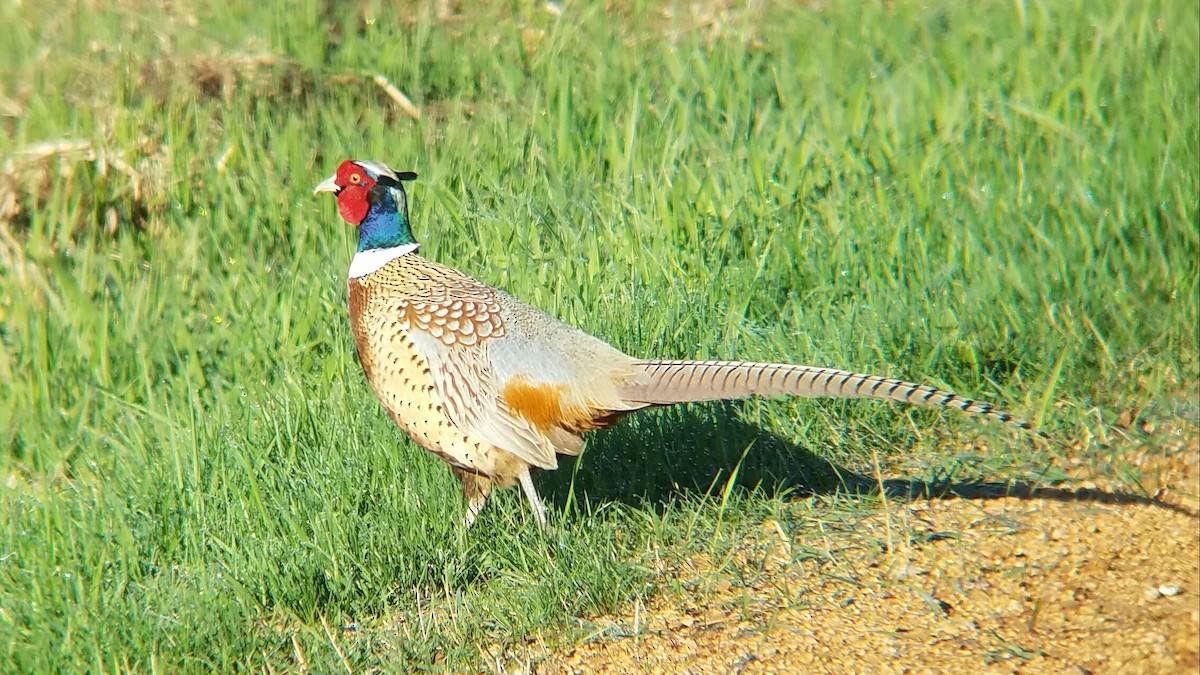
328, 185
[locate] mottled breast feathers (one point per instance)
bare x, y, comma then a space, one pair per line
504, 372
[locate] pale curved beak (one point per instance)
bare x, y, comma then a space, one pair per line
328, 185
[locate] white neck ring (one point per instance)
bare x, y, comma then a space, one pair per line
366, 262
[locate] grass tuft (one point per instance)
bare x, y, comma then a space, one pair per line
996, 198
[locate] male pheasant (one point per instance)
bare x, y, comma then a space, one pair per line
496, 387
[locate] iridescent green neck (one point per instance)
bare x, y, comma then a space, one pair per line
386, 224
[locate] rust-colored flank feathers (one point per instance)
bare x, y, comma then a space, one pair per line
539, 404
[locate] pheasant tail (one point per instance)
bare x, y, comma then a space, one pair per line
686, 381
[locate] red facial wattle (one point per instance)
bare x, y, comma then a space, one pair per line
355, 183
352, 205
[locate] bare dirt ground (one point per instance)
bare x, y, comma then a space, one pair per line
1057, 581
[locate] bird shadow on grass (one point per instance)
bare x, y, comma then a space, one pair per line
654, 459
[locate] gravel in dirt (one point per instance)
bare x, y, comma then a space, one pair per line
1059, 582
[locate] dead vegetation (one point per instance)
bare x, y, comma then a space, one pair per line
115, 188
125, 186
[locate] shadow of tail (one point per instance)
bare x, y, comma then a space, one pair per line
652, 459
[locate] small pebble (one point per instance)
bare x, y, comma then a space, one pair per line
1164, 591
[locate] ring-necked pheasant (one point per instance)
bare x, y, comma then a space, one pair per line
496, 387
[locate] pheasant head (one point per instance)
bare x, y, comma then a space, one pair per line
371, 197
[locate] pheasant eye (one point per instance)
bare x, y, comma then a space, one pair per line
354, 178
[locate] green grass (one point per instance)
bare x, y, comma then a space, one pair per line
996, 197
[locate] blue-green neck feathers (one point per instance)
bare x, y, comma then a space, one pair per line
386, 224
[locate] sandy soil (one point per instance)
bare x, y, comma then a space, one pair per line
1093, 580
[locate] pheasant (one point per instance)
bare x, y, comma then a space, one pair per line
495, 387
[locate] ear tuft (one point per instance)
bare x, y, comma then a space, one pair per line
388, 181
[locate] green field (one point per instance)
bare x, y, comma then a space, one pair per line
1000, 198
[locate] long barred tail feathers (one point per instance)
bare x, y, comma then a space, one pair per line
685, 381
